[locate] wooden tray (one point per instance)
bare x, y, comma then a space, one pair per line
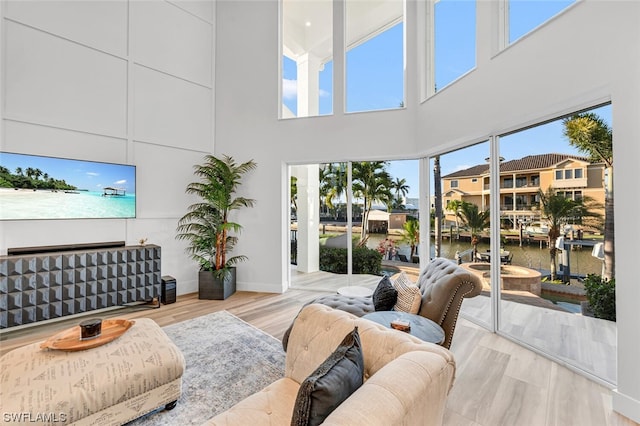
69, 340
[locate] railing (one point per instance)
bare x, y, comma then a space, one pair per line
519, 207
570, 183
511, 185
294, 246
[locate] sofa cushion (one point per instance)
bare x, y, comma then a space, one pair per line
270, 406
385, 295
331, 383
409, 296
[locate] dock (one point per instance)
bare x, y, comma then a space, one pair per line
114, 192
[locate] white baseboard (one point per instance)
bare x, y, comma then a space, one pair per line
260, 287
626, 406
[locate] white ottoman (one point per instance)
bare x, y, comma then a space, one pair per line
112, 384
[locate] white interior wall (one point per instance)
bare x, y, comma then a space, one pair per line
574, 61
74, 85
113, 81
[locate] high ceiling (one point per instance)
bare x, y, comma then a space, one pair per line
308, 24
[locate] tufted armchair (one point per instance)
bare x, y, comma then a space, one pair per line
443, 285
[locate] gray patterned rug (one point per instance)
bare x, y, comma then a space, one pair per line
227, 360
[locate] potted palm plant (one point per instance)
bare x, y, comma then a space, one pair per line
207, 228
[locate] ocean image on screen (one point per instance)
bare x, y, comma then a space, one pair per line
37, 187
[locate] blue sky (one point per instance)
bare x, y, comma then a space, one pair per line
92, 176
374, 80
543, 139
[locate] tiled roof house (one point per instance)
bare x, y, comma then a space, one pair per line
520, 182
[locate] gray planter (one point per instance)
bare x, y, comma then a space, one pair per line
211, 288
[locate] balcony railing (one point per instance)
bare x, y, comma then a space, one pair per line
527, 184
533, 185
518, 207
570, 183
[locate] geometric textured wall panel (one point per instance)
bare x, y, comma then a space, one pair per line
39, 287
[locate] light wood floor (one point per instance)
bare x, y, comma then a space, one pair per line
588, 343
497, 382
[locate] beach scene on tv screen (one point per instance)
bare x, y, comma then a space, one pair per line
37, 187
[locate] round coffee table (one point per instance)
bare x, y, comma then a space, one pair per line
421, 327
355, 291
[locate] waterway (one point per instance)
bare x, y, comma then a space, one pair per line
529, 255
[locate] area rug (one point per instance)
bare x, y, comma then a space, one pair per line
227, 360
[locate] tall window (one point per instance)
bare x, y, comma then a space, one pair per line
307, 68
454, 41
383, 198
460, 226
374, 38
526, 15
554, 237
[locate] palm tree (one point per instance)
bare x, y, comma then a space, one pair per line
30, 172
558, 210
411, 234
206, 225
437, 189
294, 193
19, 171
396, 204
323, 177
372, 182
454, 206
400, 189
323, 188
333, 183
476, 220
590, 134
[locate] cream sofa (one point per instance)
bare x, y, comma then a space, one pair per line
406, 380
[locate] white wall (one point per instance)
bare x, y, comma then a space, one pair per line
579, 59
131, 82
113, 81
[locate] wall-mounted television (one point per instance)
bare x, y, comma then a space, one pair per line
38, 187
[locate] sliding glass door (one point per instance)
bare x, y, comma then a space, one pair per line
460, 218
352, 222
531, 213
556, 214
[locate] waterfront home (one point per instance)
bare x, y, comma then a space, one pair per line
521, 180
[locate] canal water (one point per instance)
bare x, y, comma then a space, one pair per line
529, 255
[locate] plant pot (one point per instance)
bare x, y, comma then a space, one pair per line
212, 288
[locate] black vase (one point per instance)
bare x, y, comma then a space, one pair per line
213, 288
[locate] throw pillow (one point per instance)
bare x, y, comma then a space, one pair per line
331, 383
409, 296
385, 295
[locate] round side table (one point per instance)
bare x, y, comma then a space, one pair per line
421, 327
355, 291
